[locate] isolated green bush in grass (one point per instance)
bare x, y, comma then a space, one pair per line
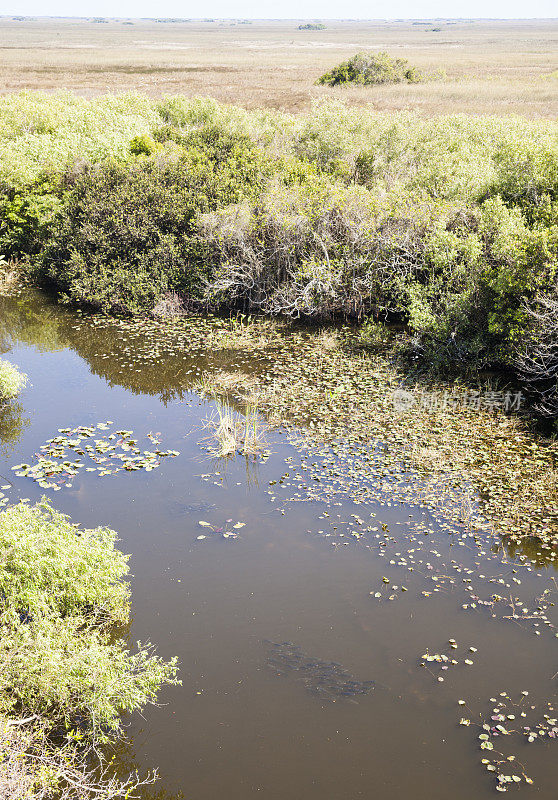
12, 380
368, 68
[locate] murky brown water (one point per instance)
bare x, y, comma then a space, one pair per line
241, 727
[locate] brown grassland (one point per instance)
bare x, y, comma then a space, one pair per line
492, 67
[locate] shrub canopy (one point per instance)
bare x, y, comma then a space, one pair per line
61, 594
448, 224
369, 68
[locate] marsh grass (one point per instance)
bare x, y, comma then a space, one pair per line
169, 307
9, 277
246, 332
230, 433
275, 66
238, 384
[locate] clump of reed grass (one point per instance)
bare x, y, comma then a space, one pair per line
230, 432
9, 276
169, 306
327, 341
246, 332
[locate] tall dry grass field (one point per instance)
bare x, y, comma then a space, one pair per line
493, 67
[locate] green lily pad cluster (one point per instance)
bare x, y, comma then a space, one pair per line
508, 718
444, 661
76, 449
221, 530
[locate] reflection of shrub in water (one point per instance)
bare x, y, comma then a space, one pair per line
12, 424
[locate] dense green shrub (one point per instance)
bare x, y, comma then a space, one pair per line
67, 672
66, 678
26, 216
447, 224
369, 68
61, 592
47, 133
126, 234
12, 380
50, 567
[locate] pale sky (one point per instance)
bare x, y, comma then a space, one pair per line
287, 9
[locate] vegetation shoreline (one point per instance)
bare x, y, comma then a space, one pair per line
452, 445
449, 225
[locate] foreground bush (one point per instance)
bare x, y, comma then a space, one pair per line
368, 69
33, 769
65, 677
12, 380
69, 672
51, 569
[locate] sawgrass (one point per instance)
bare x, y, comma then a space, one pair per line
492, 66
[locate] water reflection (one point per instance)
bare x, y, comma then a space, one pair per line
13, 421
31, 319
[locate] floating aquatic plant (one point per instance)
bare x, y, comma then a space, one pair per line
519, 719
56, 464
227, 531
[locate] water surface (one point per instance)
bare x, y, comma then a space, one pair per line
245, 724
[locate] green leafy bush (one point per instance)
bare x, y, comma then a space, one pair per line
368, 68
448, 225
126, 234
26, 216
61, 593
68, 672
12, 380
50, 567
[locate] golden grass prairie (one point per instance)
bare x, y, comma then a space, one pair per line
493, 67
